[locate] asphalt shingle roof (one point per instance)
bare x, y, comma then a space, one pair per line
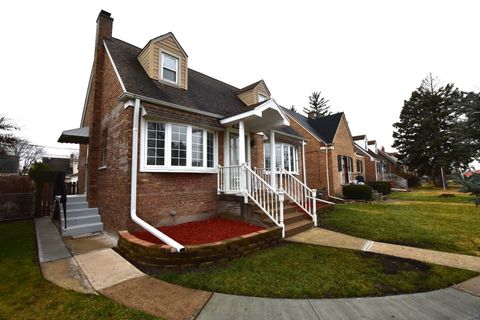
324, 127
204, 93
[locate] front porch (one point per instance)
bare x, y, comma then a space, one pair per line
275, 193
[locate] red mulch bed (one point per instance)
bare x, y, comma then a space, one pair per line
205, 231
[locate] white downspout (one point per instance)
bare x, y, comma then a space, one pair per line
133, 190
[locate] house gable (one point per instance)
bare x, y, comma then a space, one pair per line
151, 59
250, 94
343, 134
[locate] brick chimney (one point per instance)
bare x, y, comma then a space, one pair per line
311, 115
104, 28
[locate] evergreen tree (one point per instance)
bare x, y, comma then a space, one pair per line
426, 135
468, 127
317, 104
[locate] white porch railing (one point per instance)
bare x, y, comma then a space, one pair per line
299, 193
397, 180
243, 180
295, 190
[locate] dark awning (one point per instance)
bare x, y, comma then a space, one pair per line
80, 135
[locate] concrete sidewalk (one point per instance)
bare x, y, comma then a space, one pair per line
89, 265
323, 237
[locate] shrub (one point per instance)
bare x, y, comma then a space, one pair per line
357, 192
412, 179
384, 187
41, 172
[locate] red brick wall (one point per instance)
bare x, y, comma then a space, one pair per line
314, 158
343, 146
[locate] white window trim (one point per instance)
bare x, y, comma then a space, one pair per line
261, 95
295, 157
160, 66
144, 167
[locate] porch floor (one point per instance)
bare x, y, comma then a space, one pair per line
200, 232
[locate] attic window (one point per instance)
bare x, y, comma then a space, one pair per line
261, 97
169, 68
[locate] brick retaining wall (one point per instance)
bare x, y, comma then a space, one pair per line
157, 256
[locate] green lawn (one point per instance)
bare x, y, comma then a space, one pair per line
24, 294
420, 218
305, 271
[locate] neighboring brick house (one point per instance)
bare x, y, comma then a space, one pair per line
331, 160
198, 137
379, 164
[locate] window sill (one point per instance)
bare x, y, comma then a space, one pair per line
102, 168
179, 170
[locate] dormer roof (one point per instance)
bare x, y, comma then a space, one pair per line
253, 86
162, 37
204, 93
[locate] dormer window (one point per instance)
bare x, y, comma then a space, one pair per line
169, 68
261, 97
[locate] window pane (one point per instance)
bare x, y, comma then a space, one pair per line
278, 155
210, 149
179, 145
197, 148
170, 62
169, 75
267, 155
156, 144
292, 159
286, 157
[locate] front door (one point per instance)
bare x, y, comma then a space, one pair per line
232, 179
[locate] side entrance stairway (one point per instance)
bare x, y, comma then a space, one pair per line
80, 218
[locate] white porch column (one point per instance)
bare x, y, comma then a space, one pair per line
241, 159
273, 160
241, 143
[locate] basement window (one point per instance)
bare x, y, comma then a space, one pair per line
169, 68
171, 147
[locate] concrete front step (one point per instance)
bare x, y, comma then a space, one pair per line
82, 229
76, 198
78, 221
76, 205
288, 218
75, 213
297, 227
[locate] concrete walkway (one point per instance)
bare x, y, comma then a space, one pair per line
89, 265
323, 237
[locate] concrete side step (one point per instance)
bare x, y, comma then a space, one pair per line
77, 221
82, 229
77, 198
80, 212
76, 205
297, 227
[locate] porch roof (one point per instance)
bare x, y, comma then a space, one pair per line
79, 135
264, 116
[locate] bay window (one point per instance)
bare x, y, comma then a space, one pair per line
285, 155
177, 148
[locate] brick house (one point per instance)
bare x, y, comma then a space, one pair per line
163, 144
330, 155
379, 164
